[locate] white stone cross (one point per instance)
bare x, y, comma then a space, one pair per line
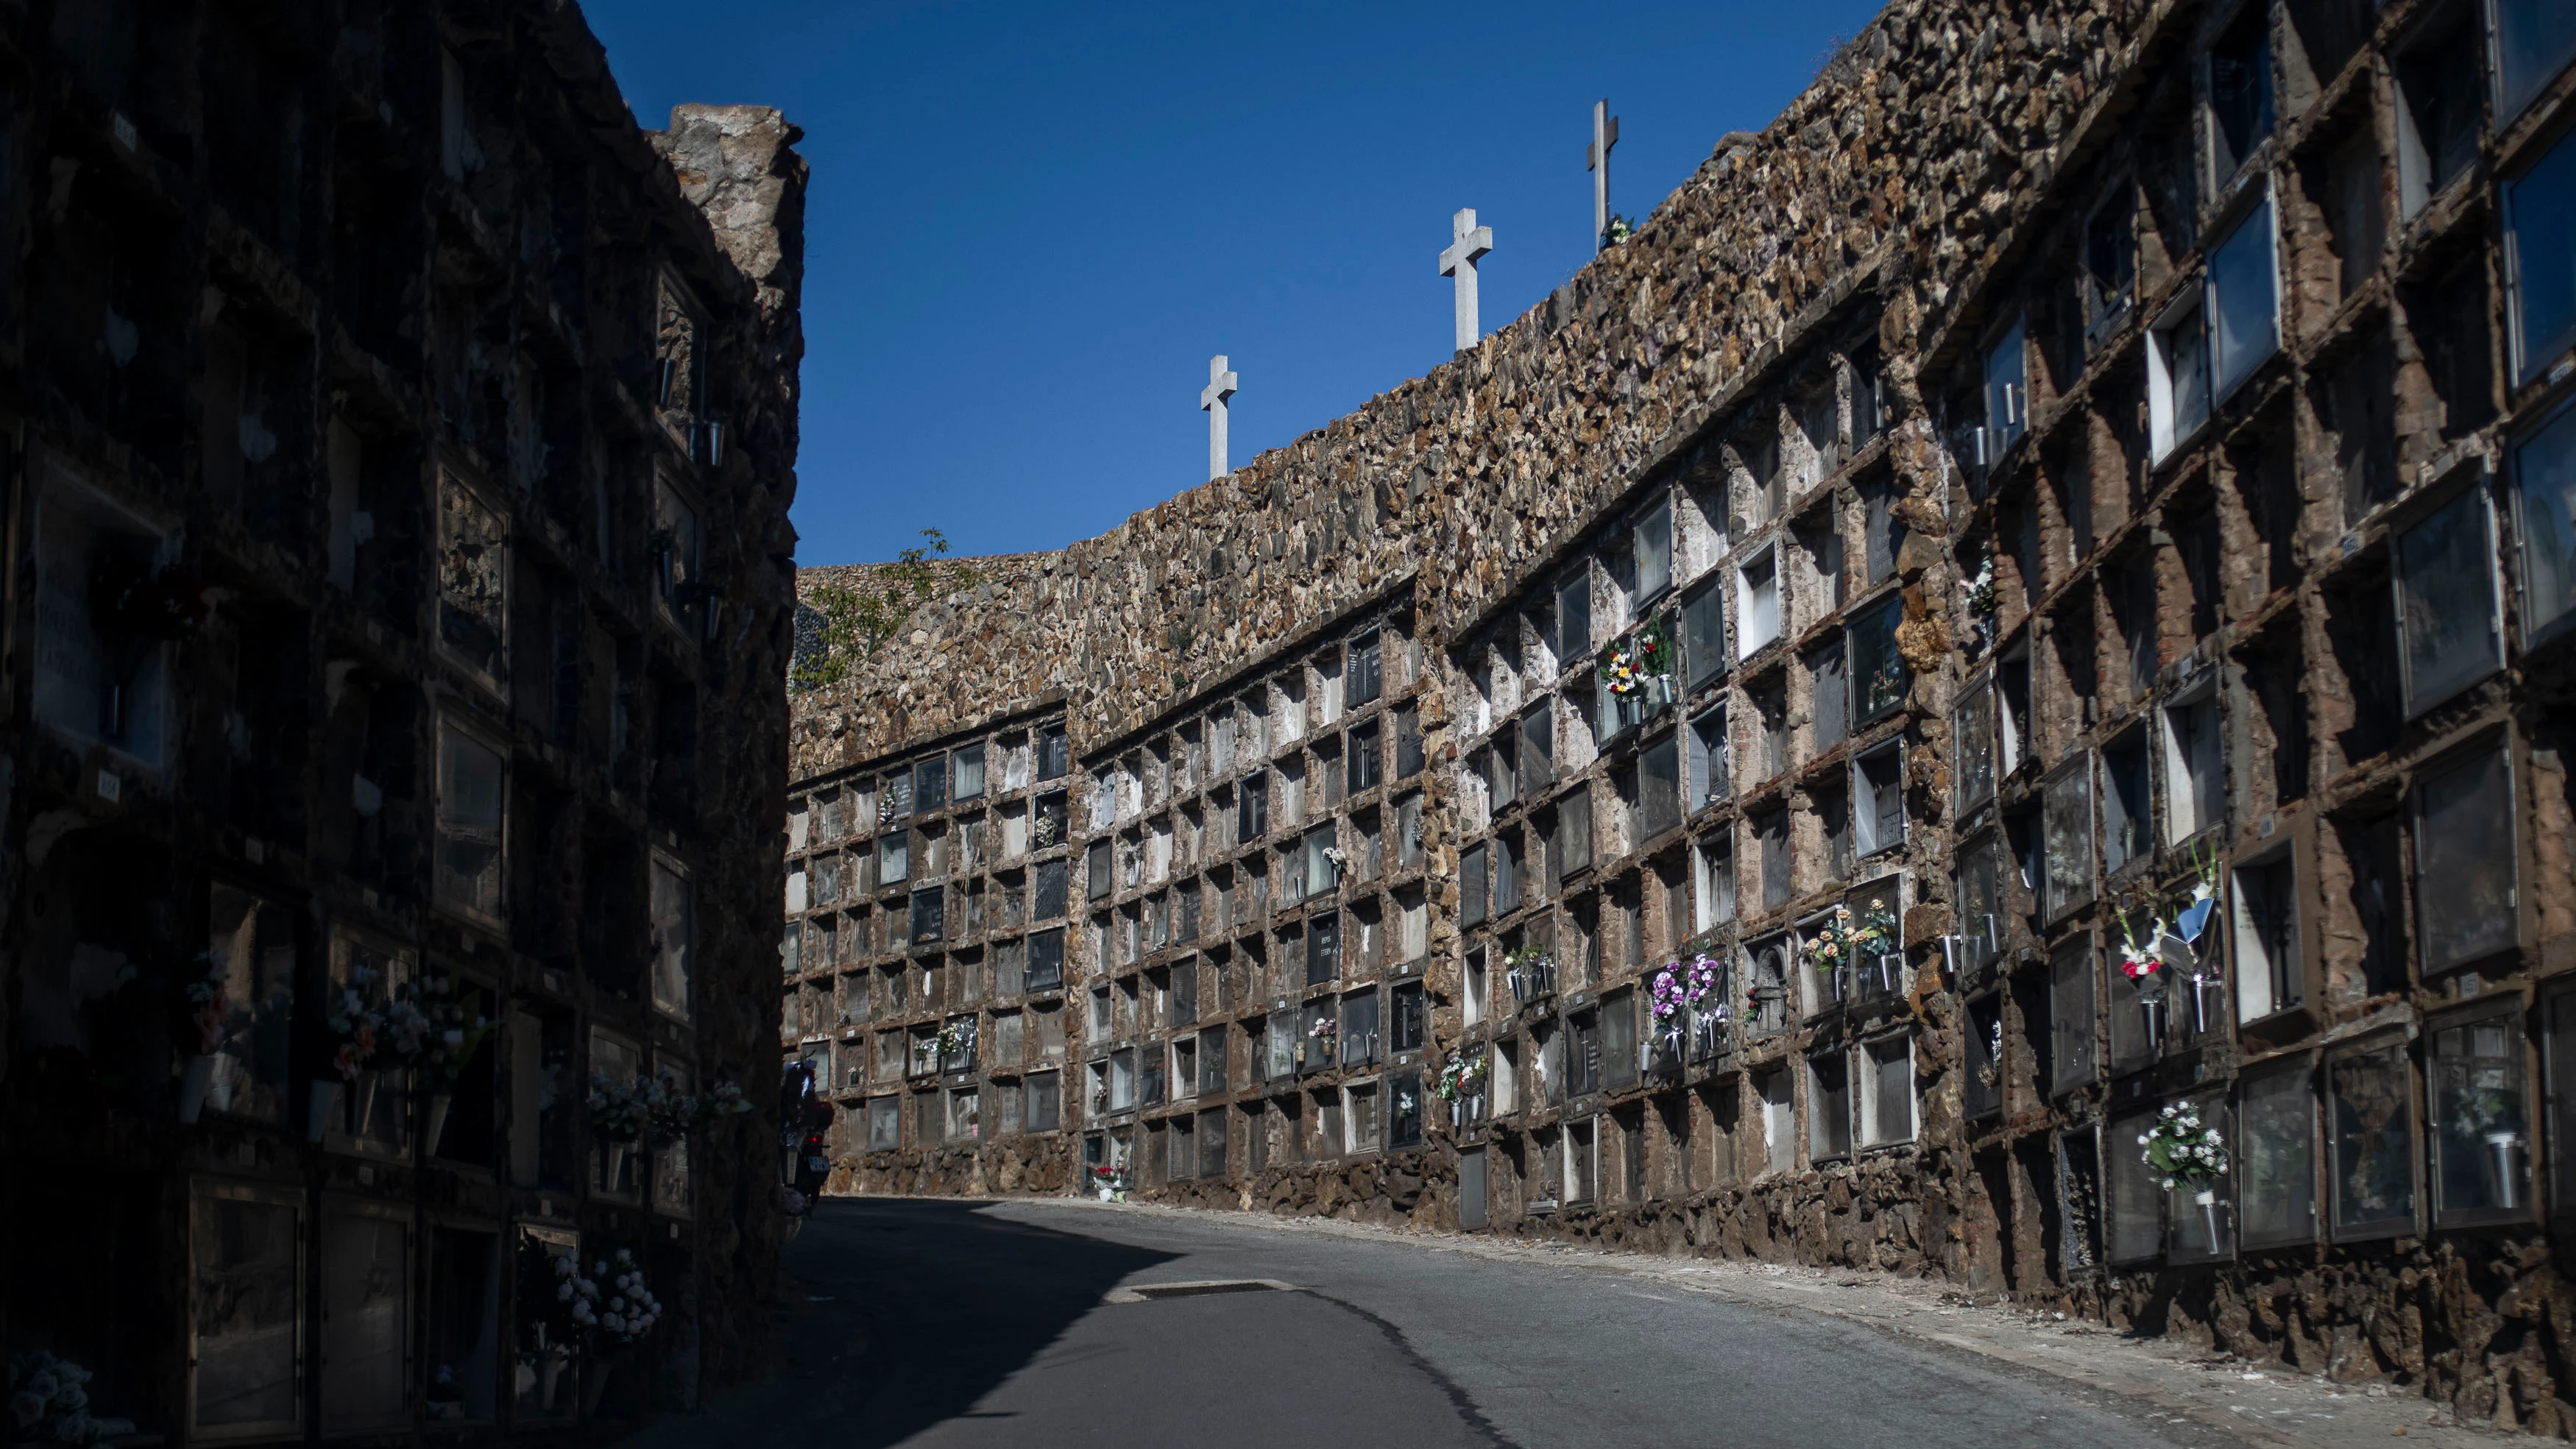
1468, 242
1596, 159
1212, 402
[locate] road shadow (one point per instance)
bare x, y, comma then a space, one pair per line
897, 1314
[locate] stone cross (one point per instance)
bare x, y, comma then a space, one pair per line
1596, 159
1212, 402
1468, 241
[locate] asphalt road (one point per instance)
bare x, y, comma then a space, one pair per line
958, 1325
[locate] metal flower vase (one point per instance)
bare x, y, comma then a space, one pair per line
433, 1126
594, 1386
2151, 1004
1708, 1032
319, 1107
195, 1081
550, 1371
2502, 1148
2207, 1199
1668, 1050
364, 1099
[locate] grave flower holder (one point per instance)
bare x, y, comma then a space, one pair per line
594, 1386
2207, 1199
1828, 949
1667, 1004
362, 1102
452, 1031
1648, 700
2179, 944
558, 1322
2187, 1155
1983, 600
2202, 984
620, 1111
2502, 1150
323, 1101
2151, 1002
1669, 1048
2150, 964
353, 1025
136, 609
1703, 994
195, 1080
1324, 1033
433, 1125
1531, 977
125, 658
1637, 670
1883, 973
663, 547
1708, 1032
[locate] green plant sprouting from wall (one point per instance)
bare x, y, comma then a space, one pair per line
859, 618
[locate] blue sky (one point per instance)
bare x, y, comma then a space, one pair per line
1030, 225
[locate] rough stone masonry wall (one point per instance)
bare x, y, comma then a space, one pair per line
1899, 170
389, 279
1906, 183
1896, 174
737, 165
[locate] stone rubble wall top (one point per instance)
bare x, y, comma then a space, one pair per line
1902, 169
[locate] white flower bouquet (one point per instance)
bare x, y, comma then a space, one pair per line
2182, 1151
49, 1403
622, 1111
630, 1310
